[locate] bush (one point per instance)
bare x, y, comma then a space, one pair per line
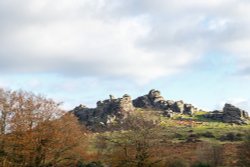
208, 135
231, 137
178, 136
193, 138
94, 164
91, 164
177, 163
200, 164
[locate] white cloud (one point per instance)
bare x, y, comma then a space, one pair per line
140, 40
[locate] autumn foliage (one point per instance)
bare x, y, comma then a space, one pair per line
36, 132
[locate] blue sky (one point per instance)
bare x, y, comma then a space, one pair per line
80, 51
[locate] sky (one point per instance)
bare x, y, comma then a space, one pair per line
80, 51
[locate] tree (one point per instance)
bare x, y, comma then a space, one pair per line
6, 113
134, 144
36, 132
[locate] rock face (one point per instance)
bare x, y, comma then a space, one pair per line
115, 109
154, 100
234, 114
229, 114
107, 111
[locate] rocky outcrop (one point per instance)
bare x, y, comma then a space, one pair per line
232, 114
116, 109
154, 100
106, 112
229, 114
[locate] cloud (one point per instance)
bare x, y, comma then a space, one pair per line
246, 71
139, 40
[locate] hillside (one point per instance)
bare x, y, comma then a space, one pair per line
175, 132
116, 109
148, 131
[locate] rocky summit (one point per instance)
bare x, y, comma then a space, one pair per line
229, 114
116, 109
154, 100
107, 111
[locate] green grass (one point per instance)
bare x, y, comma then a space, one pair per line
173, 129
172, 126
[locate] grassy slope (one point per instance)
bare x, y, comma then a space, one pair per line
183, 124
179, 128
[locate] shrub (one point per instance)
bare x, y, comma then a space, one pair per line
193, 138
208, 134
91, 164
231, 137
178, 136
200, 164
94, 164
177, 163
